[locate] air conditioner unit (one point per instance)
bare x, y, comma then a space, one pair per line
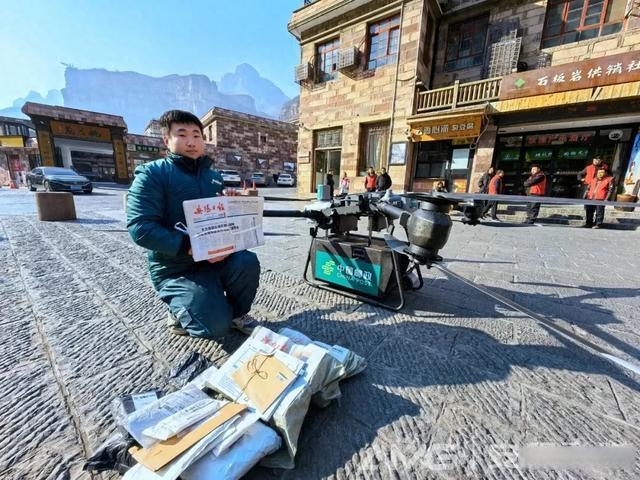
347, 57
304, 72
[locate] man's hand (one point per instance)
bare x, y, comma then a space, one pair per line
217, 259
212, 260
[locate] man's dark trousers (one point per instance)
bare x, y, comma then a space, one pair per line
206, 298
589, 212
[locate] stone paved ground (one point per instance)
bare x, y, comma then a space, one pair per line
453, 382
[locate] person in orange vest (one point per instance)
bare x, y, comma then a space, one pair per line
495, 187
537, 185
589, 172
370, 180
600, 188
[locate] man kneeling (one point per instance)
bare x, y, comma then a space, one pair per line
205, 298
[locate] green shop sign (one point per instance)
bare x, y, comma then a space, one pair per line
348, 272
574, 153
534, 155
509, 155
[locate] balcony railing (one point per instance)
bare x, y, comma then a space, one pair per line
459, 95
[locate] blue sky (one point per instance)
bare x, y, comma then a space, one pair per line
156, 38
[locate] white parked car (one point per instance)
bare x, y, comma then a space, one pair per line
231, 177
286, 179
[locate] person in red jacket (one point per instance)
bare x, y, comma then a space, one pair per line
588, 173
495, 187
370, 180
537, 185
599, 188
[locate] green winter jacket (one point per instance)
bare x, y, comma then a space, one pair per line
154, 206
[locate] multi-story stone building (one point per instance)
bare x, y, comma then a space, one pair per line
444, 90
248, 143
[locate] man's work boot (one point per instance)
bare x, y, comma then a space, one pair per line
174, 325
244, 324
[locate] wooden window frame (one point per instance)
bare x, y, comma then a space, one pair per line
582, 27
365, 130
472, 26
385, 59
332, 46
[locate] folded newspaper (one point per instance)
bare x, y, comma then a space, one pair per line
219, 226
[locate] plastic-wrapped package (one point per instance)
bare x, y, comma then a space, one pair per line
321, 369
257, 442
346, 363
174, 469
149, 416
352, 362
179, 421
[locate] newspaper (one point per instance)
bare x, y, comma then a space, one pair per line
222, 225
222, 380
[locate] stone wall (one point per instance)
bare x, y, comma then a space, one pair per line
252, 138
530, 18
359, 96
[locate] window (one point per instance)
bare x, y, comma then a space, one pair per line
384, 41
262, 139
327, 60
432, 160
210, 133
329, 138
465, 43
375, 143
572, 21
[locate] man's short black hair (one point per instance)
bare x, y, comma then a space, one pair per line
536, 166
178, 116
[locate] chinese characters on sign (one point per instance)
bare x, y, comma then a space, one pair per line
44, 143
121, 160
447, 129
559, 138
610, 70
87, 132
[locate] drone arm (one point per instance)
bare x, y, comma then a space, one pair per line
394, 212
314, 215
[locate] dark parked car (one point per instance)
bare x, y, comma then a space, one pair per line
56, 179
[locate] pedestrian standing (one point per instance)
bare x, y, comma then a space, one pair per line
383, 182
600, 188
588, 173
344, 184
483, 183
331, 182
370, 180
537, 185
496, 184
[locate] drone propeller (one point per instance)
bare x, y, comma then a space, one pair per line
470, 198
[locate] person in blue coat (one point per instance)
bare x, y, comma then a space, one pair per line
205, 298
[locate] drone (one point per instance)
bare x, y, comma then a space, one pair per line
379, 270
